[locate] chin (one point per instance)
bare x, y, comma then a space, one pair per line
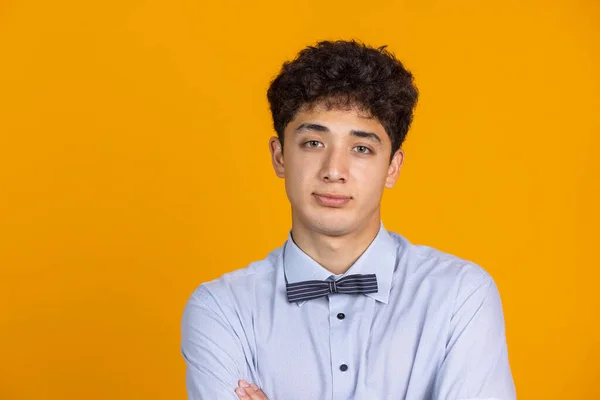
330, 224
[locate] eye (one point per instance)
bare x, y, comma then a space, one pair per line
363, 149
312, 143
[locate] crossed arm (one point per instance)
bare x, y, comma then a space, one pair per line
475, 367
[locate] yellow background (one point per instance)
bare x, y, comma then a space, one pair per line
134, 166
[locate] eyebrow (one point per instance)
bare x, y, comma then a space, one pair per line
320, 128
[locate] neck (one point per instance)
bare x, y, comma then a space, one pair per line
335, 253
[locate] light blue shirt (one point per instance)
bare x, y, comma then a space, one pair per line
434, 330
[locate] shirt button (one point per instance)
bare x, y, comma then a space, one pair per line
343, 367
341, 316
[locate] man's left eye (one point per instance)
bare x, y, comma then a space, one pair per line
363, 149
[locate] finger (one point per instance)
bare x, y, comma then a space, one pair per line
258, 394
247, 391
241, 390
241, 393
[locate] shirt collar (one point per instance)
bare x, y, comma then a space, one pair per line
379, 258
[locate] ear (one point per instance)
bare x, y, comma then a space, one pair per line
394, 169
276, 156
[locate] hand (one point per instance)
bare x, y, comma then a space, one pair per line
246, 391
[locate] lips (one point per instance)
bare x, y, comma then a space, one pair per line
332, 199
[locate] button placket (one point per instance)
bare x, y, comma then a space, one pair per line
343, 376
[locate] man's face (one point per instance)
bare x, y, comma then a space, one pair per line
336, 164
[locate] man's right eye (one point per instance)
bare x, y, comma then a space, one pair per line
312, 143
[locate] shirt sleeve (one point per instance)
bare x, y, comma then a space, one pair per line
476, 365
211, 349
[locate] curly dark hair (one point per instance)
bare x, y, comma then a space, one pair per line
343, 74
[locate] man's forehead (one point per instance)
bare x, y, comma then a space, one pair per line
334, 119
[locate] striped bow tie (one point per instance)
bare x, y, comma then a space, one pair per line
351, 284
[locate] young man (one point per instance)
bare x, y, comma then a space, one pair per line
345, 309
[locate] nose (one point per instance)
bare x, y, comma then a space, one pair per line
335, 166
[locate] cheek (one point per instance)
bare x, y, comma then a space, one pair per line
370, 178
301, 172
298, 180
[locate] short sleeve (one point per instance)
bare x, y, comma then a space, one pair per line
476, 363
211, 349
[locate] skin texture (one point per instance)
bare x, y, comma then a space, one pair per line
317, 162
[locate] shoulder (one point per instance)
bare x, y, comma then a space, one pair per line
441, 269
232, 288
